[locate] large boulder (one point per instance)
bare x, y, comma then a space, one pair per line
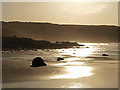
37, 62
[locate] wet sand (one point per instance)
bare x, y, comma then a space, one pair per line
89, 74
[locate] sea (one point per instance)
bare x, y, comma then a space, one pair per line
91, 51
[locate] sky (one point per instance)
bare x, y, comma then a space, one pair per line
81, 13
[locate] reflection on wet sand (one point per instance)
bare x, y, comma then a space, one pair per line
70, 64
74, 72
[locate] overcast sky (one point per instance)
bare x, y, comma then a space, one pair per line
92, 13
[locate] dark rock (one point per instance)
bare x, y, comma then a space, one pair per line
105, 55
11, 51
18, 50
81, 45
35, 50
59, 58
37, 62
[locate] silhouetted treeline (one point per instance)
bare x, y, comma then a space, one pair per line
28, 43
54, 32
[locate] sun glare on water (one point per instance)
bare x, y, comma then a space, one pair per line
82, 52
74, 87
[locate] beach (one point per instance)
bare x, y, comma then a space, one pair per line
55, 44
86, 70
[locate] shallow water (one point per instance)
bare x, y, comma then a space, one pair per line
89, 50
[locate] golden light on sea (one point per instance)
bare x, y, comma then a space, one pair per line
78, 52
74, 87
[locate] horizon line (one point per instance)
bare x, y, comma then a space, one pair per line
60, 23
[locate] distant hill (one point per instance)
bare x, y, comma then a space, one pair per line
28, 43
56, 32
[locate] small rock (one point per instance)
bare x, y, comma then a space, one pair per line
35, 50
105, 55
81, 45
11, 51
42, 49
59, 58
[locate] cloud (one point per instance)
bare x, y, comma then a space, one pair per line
94, 9
84, 8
